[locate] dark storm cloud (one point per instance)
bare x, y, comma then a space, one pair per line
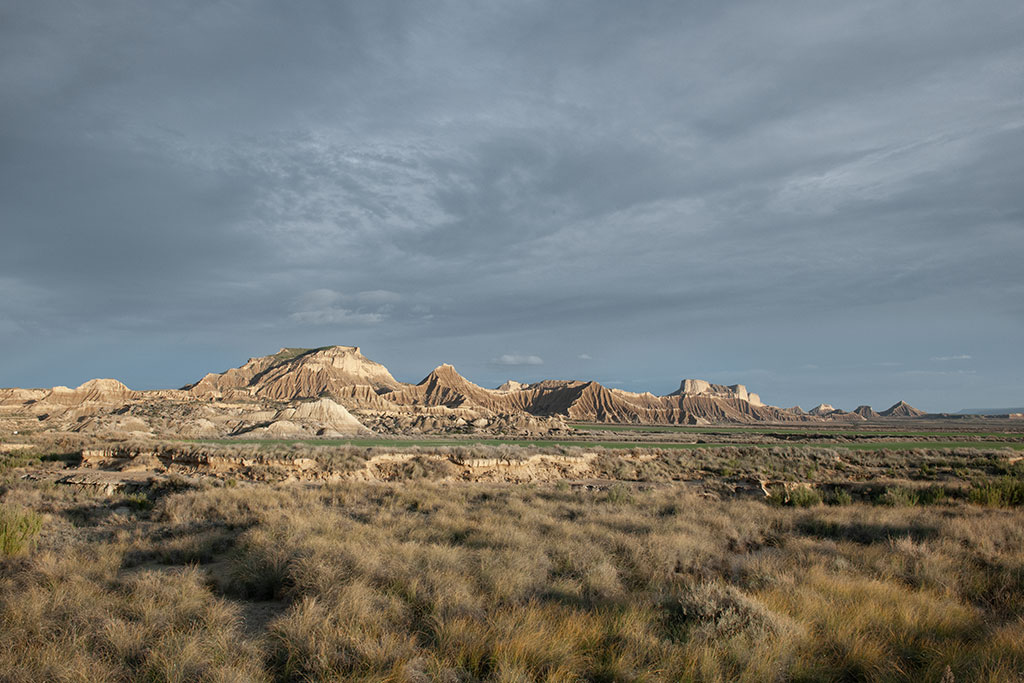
672, 188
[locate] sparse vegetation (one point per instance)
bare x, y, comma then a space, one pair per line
634, 562
428, 581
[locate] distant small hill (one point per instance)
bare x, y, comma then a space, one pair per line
990, 411
866, 411
902, 409
95, 390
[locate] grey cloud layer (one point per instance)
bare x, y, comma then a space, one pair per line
647, 181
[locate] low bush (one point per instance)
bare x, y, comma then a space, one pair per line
798, 496
804, 497
619, 495
839, 497
17, 459
933, 495
899, 496
1004, 492
18, 530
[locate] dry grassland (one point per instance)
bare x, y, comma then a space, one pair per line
424, 580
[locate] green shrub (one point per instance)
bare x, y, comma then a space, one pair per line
18, 530
618, 495
933, 495
803, 497
138, 501
800, 496
898, 496
840, 497
1005, 492
18, 459
777, 495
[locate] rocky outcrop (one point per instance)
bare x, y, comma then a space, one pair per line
833, 414
324, 416
699, 387
18, 397
866, 412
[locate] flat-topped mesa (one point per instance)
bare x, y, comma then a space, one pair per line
294, 373
700, 387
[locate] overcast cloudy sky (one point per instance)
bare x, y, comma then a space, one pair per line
822, 200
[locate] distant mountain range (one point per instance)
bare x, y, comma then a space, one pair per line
990, 411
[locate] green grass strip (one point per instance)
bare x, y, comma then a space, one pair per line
617, 445
802, 430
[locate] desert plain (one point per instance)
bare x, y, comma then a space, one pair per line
305, 516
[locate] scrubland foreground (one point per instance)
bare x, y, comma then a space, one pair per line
453, 581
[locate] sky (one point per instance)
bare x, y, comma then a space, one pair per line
821, 200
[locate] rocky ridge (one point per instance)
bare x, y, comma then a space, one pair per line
337, 391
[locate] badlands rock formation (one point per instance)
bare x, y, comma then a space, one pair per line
322, 417
698, 387
298, 373
866, 412
337, 391
902, 409
832, 413
95, 390
821, 410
